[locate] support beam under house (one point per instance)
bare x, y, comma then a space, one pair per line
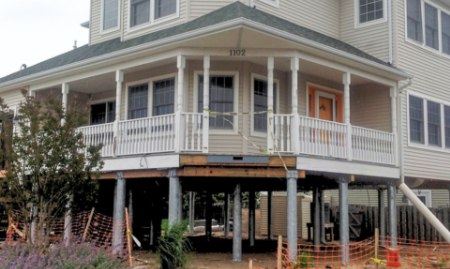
344, 221
237, 225
251, 218
292, 214
118, 214
174, 196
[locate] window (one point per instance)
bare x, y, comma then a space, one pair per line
414, 21
148, 11
434, 123
163, 97
431, 27
138, 101
425, 196
110, 14
447, 126
370, 10
103, 113
164, 8
260, 92
445, 18
139, 12
416, 119
221, 100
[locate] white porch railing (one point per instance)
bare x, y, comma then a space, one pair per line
315, 137
146, 135
373, 145
323, 138
102, 134
282, 133
193, 135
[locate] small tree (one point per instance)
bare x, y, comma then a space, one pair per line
47, 165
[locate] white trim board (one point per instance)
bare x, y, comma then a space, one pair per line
141, 162
346, 167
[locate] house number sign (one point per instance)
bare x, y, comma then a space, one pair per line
238, 52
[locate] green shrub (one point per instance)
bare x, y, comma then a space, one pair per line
173, 245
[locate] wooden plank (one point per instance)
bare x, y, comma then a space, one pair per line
415, 224
409, 212
135, 174
274, 161
232, 173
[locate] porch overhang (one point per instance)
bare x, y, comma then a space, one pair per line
242, 30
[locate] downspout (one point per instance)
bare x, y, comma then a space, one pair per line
400, 146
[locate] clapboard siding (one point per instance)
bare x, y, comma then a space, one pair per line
372, 39
371, 107
430, 73
12, 98
318, 15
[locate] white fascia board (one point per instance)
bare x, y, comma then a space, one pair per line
346, 167
152, 46
141, 163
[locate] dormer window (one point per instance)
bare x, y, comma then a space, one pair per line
370, 11
144, 12
110, 12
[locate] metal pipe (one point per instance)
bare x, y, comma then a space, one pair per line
237, 225
292, 214
191, 212
344, 221
251, 218
119, 213
208, 217
316, 222
269, 215
68, 222
392, 209
227, 214
174, 196
440, 228
382, 216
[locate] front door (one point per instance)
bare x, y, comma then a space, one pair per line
326, 108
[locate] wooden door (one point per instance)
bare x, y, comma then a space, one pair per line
326, 108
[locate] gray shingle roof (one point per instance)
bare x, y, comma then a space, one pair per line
230, 12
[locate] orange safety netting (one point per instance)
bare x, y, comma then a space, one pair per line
421, 254
329, 255
87, 226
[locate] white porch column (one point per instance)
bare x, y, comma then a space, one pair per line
206, 67
346, 80
270, 127
119, 82
65, 97
179, 132
393, 95
295, 66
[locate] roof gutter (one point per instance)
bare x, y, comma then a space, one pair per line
194, 34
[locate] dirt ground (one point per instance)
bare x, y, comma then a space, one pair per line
213, 261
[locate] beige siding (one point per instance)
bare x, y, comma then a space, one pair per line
430, 73
318, 15
372, 39
371, 107
12, 98
96, 35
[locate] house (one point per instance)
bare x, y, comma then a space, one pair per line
259, 95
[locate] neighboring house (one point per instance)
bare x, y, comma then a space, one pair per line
225, 96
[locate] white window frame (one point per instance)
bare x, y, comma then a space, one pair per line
428, 197
97, 102
236, 87
152, 21
113, 29
426, 145
422, 44
252, 102
149, 82
356, 16
274, 3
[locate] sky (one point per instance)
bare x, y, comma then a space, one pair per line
32, 31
